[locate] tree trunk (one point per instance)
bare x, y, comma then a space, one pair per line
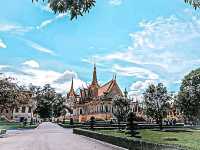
160, 123
118, 124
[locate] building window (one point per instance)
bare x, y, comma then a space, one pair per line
23, 109
29, 110
16, 110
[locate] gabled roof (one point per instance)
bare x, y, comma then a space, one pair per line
109, 87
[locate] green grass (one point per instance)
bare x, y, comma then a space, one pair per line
14, 125
189, 138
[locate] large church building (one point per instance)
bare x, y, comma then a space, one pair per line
94, 100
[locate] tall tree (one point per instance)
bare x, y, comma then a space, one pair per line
189, 96
45, 99
12, 95
58, 106
75, 8
49, 103
121, 108
156, 100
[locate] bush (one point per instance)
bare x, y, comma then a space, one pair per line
92, 122
71, 121
131, 126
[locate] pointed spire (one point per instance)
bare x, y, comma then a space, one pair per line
94, 79
72, 85
72, 92
125, 93
114, 76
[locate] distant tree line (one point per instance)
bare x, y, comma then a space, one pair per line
48, 102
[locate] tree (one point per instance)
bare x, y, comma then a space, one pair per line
58, 107
131, 125
121, 108
12, 95
92, 122
189, 96
156, 100
74, 7
194, 3
49, 103
45, 98
77, 8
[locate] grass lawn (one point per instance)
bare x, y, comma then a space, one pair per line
189, 138
13, 125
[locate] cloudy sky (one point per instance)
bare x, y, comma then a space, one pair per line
141, 41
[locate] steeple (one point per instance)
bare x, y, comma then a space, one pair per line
94, 79
72, 92
72, 85
125, 93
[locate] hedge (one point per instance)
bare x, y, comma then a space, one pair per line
131, 144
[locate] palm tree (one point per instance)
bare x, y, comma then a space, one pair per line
75, 8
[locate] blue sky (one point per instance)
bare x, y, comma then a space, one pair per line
142, 42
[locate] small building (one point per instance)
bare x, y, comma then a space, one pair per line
23, 112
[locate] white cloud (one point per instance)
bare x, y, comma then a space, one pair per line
14, 29
135, 72
165, 32
141, 85
3, 66
115, 2
31, 63
61, 81
47, 22
2, 44
168, 47
39, 47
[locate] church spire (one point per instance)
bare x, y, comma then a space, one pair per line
72, 92
94, 79
72, 86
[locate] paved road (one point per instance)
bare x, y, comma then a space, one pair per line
50, 136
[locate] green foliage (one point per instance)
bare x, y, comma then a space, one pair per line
49, 103
121, 108
187, 138
75, 8
131, 125
12, 95
156, 100
189, 95
92, 122
194, 3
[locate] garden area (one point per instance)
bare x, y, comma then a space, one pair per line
14, 125
187, 138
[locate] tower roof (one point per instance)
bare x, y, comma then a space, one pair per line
71, 92
94, 77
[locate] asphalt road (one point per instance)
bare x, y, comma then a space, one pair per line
49, 136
